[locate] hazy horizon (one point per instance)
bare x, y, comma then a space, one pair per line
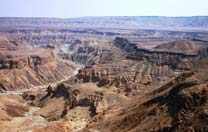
95, 8
96, 17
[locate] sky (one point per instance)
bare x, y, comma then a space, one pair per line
82, 8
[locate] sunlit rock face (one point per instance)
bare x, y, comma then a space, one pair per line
16, 116
23, 67
129, 77
139, 70
158, 56
182, 100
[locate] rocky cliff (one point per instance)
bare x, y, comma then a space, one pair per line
181, 105
26, 67
160, 56
132, 78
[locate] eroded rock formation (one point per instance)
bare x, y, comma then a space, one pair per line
181, 106
143, 80
159, 57
23, 67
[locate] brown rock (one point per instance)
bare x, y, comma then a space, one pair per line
55, 127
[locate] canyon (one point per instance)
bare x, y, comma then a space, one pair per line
104, 74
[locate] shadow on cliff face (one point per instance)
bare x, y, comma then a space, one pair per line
54, 103
179, 107
186, 109
176, 100
61, 91
57, 102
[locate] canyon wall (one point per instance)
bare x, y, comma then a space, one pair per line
172, 59
24, 67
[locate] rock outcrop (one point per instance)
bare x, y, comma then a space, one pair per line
169, 58
130, 77
181, 106
90, 52
62, 97
16, 116
24, 67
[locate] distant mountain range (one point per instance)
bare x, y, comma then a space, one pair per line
126, 22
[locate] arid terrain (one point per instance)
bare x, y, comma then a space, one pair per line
104, 74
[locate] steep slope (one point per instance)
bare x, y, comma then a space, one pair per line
16, 116
182, 46
180, 105
22, 66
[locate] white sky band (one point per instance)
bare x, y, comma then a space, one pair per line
80, 8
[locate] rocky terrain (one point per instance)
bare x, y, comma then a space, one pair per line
110, 74
180, 105
24, 67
